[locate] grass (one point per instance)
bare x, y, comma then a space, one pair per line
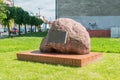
109, 45
12, 69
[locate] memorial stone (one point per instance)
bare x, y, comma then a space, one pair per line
57, 37
66, 36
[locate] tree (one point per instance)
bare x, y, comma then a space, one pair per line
40, 22
7, 21
19, 17
26, 18
35, 21
2, 10
31, 22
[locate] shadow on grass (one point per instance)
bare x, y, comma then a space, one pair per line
35, 34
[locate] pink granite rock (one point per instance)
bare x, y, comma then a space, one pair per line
77, 41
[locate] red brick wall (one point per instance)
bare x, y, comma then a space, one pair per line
57, 58
99, 33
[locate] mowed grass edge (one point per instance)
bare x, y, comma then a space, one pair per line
12, 69
108, 45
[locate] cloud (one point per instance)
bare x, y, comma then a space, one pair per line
47, 6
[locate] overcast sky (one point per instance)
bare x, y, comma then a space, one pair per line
47, 7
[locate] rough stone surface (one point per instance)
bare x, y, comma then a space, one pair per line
78, 40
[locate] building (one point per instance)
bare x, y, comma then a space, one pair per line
9, 2
100, 17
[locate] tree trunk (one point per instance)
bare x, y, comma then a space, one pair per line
31, 29
25, 29
4, 28
35, 28
40, 29
19, 29
8, 30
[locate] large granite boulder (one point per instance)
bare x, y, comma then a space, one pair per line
77, 40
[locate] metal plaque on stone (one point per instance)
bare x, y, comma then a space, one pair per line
57, 37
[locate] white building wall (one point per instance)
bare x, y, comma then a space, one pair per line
97, 22
115, 32
93, 14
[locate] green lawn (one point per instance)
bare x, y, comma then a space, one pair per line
12, 69
109, 45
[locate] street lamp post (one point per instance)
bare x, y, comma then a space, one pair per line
39, 12
13, 2
39, 15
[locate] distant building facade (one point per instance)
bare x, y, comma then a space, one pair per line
9, 2
98, 16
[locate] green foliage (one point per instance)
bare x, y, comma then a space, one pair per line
26, 17
26, 20
20, 17
2, 10
32, 19
35, 21
11, 12
10, 15
12, 69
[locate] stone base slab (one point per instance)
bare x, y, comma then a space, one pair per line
57, 58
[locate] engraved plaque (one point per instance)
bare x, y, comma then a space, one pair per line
57, 37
